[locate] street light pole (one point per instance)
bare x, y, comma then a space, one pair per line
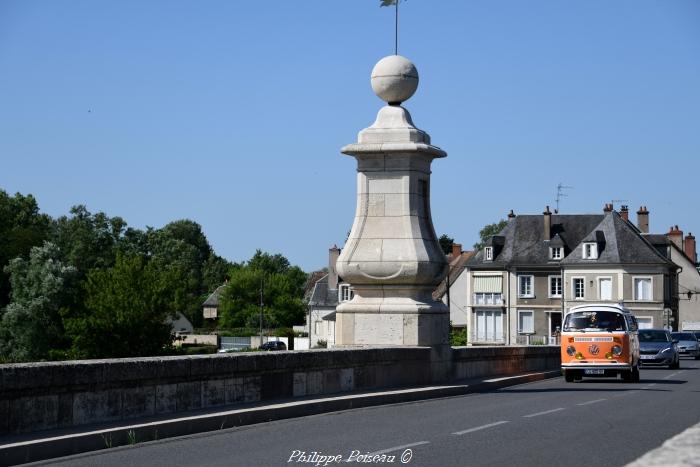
261, 311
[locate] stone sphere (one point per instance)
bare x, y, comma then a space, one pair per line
394, 79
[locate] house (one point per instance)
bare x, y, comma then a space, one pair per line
210, 307
538, 266
682, 251
326, 293
455, 281
180, 324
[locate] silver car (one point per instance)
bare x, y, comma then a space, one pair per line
688, 345
657, 348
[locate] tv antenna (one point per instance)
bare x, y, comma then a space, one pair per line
560, 194
613, 201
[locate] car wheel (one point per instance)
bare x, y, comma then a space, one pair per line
569, 376
626, 376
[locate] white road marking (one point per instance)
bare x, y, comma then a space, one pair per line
543, 413
482, 427
592, 402
673, 374
626, 393
508, 377
398, 448
649, 385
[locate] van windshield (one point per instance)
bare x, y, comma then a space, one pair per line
594, 321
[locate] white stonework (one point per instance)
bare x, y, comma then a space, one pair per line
392, 257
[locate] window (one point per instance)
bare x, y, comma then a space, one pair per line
642, 288
483, 298
555, 286
489, 253
605, 288
526, 322
346, 293
525, 287
489, 326
556, 252
578, 287
645, 322
590, 251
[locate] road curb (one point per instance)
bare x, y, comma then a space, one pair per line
77, 443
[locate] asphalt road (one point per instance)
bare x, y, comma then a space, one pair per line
597, 422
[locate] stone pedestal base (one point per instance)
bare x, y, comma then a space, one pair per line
399, 316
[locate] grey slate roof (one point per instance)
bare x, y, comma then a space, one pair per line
619, 243
322, 295
213, 299
525, 243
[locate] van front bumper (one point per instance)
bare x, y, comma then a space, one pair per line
596, 366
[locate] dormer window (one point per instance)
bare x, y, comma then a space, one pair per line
590, 251
345, 293
556, 252
488, 253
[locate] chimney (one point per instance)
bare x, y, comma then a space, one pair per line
625, 212
456, 250
333, 254
643, 219
676, 236
511, 215
607, 208
547, 231
689, 248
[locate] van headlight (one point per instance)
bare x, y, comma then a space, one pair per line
571, 350
617, 350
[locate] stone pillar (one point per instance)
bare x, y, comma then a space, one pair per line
392, 257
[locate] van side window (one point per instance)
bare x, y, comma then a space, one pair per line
632, 323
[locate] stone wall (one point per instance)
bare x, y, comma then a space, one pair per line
43, 396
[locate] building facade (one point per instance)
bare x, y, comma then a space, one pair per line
523, 280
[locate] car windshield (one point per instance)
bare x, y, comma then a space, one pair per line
683, 336
594, 321
653, 336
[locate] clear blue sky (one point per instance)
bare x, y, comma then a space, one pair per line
233, 113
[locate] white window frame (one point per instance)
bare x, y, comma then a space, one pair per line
600, 289
559, 250
650, 318
487, 298
573, 287
488, 253
522, 312
594, 250
345, 293
561, 286
651, 288
532, 286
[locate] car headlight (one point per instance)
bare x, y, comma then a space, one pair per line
667, 349
571, 350
617, 350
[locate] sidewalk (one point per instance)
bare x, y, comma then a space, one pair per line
58, 443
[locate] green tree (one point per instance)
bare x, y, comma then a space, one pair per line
88, 241
126, 310
282, 289
489, 231
31, 328
21, 228
446, 243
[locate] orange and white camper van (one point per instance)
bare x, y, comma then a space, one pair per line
599, 340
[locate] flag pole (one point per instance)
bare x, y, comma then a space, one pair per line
396, 29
